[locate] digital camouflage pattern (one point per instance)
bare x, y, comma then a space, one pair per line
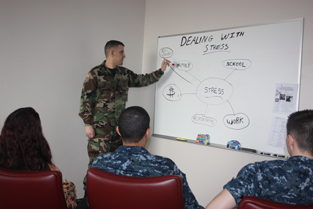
289, 181
137, 161
103, 98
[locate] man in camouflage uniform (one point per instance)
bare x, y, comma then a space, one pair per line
289, 181
104, 96
132, 159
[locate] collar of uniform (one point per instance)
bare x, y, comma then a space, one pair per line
302, 158
118, 68
133, 149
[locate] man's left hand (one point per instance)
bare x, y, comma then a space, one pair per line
165, 63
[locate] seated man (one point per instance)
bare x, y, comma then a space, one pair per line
289, 181
132, 159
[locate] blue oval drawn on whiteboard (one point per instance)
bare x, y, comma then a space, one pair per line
166, 52
184, 65
236, 121
237, 64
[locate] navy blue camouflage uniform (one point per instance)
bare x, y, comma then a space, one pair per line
137, 161
289, 181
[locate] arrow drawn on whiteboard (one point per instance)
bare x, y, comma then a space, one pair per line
183, 74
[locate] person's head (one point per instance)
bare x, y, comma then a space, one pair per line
134, 124
22, 144
300, 129
114, 51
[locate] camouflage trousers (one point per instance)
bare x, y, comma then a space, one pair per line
98, 146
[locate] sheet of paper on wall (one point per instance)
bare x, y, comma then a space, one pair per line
278, 133
286, 98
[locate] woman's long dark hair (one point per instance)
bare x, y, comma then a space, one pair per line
22, 144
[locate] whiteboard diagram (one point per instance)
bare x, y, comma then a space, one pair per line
223, 82
211, 91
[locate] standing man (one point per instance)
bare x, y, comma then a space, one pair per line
104, 96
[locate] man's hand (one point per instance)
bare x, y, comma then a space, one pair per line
90, 132
165, 63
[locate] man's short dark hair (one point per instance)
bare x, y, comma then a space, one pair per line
300, 126
113, 44
133, 124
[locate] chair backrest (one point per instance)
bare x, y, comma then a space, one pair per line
31, 189
118, 191
249, 202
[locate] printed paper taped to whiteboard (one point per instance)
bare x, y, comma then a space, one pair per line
286, 97
278, 133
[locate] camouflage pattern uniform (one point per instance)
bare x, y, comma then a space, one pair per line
137, 161
289, 181
103, 98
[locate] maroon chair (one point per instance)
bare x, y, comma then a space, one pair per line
249, 202
31, 190
108, 190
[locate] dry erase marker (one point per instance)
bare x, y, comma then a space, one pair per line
181, 139
276, 155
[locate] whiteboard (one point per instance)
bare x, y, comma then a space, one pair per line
224, 83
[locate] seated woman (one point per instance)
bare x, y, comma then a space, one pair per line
23, 147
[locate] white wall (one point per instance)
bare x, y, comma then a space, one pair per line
47, 48
208, 168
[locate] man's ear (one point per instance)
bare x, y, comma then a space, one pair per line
148, 132
118, 131
112, 53
291, 141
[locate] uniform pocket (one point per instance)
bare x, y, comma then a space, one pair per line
104, 92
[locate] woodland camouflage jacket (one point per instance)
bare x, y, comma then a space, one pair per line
105, 92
